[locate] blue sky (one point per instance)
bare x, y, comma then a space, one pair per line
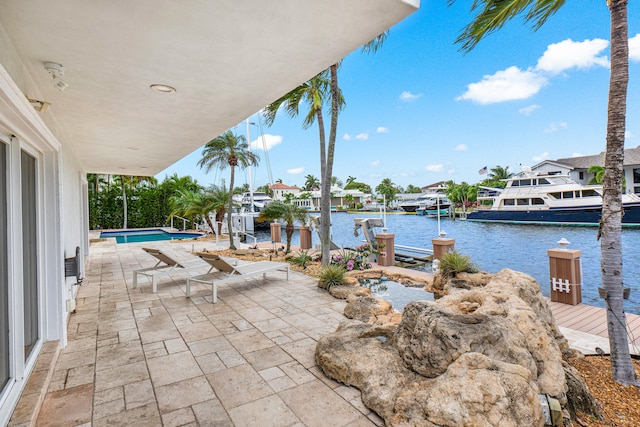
420, 111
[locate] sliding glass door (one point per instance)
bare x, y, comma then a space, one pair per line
4, 274
29, 252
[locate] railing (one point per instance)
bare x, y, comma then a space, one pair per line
184, 221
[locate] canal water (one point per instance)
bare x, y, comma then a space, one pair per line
493, 247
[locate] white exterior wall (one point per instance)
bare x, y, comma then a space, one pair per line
61, 218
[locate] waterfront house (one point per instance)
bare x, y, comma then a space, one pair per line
578, 168
128, 89
279, 190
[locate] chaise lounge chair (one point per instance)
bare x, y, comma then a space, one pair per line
227, 271
166, 265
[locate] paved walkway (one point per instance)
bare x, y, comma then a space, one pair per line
142, 359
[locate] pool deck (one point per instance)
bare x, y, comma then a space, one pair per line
135, 358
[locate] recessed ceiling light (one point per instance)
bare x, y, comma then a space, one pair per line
163, 88
133, 148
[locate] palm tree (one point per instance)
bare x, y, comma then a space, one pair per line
499, 173
598, 174
350, 179
219, 196
128, 181
388, 189
230, 150
314, 93
191, 203
311, 182
491, 16
288, 213
349, 199
336, 181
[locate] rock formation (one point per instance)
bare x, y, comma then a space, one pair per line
479, 356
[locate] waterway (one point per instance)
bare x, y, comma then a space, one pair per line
493, 247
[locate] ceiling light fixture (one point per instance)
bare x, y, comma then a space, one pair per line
163, 88
39, 105
56, 70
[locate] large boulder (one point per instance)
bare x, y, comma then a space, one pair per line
480, 355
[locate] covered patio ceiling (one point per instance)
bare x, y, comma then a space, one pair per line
226, 60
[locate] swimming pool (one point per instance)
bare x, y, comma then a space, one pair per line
146, 235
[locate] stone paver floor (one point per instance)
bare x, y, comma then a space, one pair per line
143, 359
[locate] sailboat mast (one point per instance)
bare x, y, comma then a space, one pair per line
250, 167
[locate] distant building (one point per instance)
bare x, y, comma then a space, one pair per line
279, 190
577, 168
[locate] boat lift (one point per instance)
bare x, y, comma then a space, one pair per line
411, 256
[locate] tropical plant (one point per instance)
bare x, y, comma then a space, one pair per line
454, 262
388, 189
302, 258
491, 16
350, 179
355, 259
462, 193
331, 275
219, 198
336, 181
354, 185
191, 203
125, 182
349, 199
598, 176
288, 213
311, 182
230, 150
412, 189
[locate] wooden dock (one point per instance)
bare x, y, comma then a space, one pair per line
587, 319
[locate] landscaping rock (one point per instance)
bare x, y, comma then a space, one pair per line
480, 355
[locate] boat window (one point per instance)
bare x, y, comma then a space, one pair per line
636, 176
509, 202
543, 181
589, 193
537, 201
523, 202
567, 194
556, 195
578, 194
525, 182
515, 183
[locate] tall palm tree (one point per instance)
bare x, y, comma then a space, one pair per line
192, 203
350, 179
219, 195
499, 173
314, 93
288, 213
128, 181
491, 16
230, 150
336, 181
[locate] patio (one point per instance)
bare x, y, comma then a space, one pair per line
144, 359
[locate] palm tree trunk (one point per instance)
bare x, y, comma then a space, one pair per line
230, 210
611, 222
288, 230
325, 196
124, 203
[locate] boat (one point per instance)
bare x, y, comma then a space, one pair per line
259, 200
426, 202
532, 197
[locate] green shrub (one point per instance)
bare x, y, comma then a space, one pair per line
454, 262
302, 258
331, 275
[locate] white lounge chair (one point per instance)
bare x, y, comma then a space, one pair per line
166, 265
227, 271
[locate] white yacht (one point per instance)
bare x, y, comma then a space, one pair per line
531, 197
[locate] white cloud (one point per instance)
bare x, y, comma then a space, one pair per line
407, 96
435, 168
346, 137
634, 48
506, 85
555, 126
541, 157
374, 163
362, 136
569, 54
382, 129
527, 111
270, 141
461, 147
628, 134
295, 171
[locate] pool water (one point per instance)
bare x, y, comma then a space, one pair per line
146, 235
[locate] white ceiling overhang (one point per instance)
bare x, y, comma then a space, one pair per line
226, 58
